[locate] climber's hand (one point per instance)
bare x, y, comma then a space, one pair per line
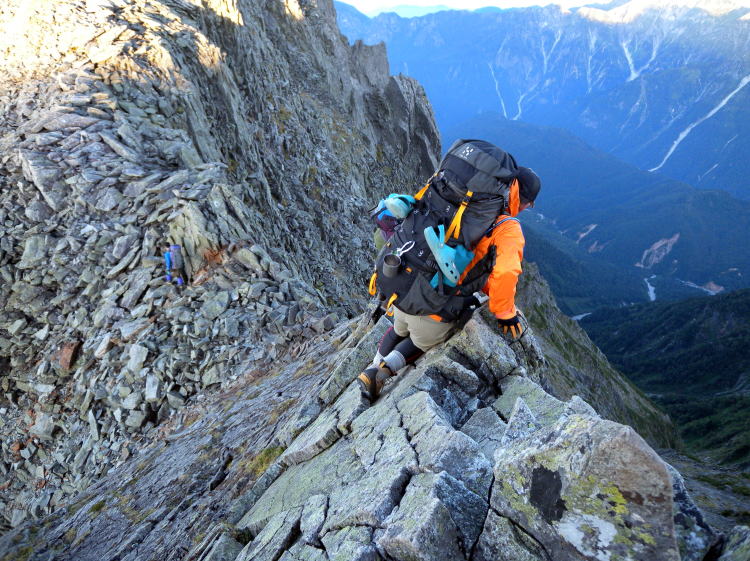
511, 326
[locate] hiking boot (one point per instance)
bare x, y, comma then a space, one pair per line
372, 380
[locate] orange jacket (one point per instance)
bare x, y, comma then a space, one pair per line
509, 242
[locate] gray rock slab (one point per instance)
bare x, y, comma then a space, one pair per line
226, 548
119, 148
275, 537
215, 305
305, 414
133, 400
303, 552
440, 447
454, 372
248, 259
335, 468
138, 282
137, 356
483, 345
135, 419
368, 502
422, 528
213, 376
353, 543
694, 536
137, 188
487, 429
522, 423
577, 406
129, 329
93, 425
68, 120
546, 409
103, 346
737, 546
587, 488
153, 388
331, 424
38, 211
501, 540
379, 438
34, 251
312, 518
109, 200
43, 174
43, 427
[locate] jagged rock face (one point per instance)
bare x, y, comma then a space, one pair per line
249, 133
462, 457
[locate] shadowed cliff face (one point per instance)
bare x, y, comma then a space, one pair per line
249, 133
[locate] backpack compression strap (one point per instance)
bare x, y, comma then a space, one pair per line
423, 190
455, 227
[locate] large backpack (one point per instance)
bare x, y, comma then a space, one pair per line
465, 195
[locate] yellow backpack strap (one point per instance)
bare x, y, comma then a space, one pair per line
372, 289
455, 227
388, 306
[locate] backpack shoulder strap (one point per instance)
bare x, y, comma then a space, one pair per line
496, 224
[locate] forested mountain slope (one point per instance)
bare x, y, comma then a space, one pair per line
692, 357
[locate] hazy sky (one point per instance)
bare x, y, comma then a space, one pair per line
371, 7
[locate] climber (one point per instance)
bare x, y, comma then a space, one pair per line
494, 267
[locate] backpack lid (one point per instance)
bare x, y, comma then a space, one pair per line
479, 165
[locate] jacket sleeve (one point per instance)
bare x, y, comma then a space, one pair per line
501, 285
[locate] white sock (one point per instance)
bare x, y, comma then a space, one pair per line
395, 361
377, 360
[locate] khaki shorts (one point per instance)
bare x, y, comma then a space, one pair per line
424, 331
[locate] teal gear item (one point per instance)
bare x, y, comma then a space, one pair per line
451, 260
399, 205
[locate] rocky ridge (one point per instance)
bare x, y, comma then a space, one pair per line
98, 352
244, 132
463, 457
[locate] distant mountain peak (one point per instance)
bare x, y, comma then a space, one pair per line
411, 11
630, 11
617, 11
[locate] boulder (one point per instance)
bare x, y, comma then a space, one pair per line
589, 489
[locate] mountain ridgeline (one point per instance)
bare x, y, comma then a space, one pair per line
662, 87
